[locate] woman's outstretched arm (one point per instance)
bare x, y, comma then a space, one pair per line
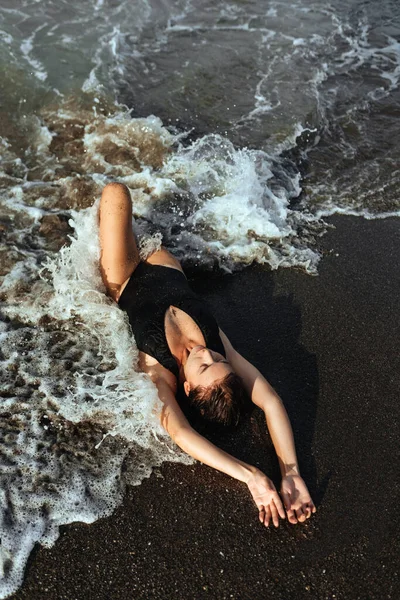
296, 497
190, 441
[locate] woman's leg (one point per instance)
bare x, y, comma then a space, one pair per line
119, 252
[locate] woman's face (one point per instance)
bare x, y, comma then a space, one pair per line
203, 367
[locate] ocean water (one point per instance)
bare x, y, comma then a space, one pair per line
238, 126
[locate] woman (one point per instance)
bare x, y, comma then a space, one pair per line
180, 344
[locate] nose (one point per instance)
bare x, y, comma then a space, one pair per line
208, 355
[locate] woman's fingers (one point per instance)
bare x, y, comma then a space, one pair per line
309, 509
291, 516
297, 501
279, 506
274, 514
295, 509
286, 500
270, 512
288, 506
300, 515
267, 517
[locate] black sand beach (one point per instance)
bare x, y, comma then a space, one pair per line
330, 346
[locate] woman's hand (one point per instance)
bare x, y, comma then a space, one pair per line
297, 499
266, 498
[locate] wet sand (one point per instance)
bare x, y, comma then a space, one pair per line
330, 346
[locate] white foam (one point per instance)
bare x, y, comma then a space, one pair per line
236, 215
101, 387
6, 37
79, 290
14, 202
330, 210
26, 48
384, 59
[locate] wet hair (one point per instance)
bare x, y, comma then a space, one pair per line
223, 402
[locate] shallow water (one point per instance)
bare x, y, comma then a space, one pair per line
237, 127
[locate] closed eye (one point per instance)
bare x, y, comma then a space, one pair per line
203, 367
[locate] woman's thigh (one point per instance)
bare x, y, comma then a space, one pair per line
119, 252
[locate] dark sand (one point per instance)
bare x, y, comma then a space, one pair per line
330, 346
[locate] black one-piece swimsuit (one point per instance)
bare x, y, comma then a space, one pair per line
149, 293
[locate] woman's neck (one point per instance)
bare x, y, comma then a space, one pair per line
182, 334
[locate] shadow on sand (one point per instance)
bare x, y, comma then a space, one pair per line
265, 328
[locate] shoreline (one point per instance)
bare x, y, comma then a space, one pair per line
328, 344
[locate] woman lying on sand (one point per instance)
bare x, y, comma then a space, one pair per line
180, 344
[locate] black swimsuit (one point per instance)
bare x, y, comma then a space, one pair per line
150, 291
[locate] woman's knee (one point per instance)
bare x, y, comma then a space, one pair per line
115, 195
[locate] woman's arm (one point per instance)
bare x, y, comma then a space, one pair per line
264, 396
175, 423
297, 500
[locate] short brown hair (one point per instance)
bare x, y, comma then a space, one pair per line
223, 402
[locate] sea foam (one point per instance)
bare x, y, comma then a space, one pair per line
70, 385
